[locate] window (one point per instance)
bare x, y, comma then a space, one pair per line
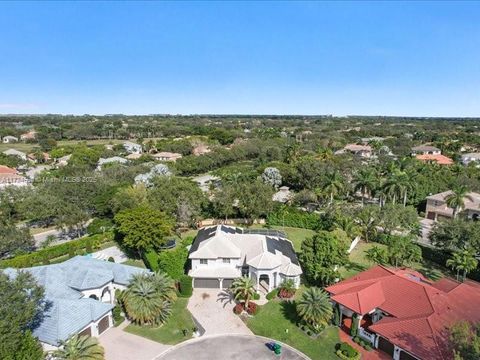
226, 261
203, 262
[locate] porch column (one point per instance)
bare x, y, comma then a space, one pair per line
396, 352
221, 283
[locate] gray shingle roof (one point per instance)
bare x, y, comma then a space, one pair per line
69, 312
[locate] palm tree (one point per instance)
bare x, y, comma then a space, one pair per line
315, 308
398, 185
325, 154
243, 289
333, 185
365, 181
456, 199
165, 286
144, 302
348, 225
80, 348
463, 261
376, 255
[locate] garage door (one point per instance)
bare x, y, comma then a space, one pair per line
406, 356
227, 283
385, 345
87, 332
103, 325
206, 283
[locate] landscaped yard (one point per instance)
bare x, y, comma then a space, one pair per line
295, 235
359, 263
277, 320
172, 331
135, 262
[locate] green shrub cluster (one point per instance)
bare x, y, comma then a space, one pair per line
173, 261
366, 345
46, 255
289, 216
185, 286
256, 296
150, 258
99, 226
347, 352
117, 315
272, 294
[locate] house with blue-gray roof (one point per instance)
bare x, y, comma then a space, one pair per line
80, 293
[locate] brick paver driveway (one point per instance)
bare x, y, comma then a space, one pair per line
120, 345
229, 347
213, 309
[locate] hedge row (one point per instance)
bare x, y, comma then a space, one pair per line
44, 256
294, 218
440, 257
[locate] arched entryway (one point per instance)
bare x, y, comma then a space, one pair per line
106, 296
264, 282
94, 297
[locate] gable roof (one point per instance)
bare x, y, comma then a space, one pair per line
471, 200
419, 311
6, 170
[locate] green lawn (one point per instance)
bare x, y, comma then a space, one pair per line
276, 317
295, 235
135, 262
359, 263
170, 332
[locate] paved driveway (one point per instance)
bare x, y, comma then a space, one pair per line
213, 309
120, 345
231, 347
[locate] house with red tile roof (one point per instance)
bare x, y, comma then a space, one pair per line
439, 159
402, 313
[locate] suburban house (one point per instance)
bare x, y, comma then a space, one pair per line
402, 313
166, 156
110, 160
31, 135
438, 159
222, 253
9, 139
132, 148
206, 182
437, 207
63, 161
17, 153
10, 177
425, 150
80, 294
364, 151
471, 157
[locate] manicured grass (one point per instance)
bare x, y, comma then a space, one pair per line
277, 320
134, 262
295, 235
358, 263
192, 233
170, 332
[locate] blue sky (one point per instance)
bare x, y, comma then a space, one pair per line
368, 58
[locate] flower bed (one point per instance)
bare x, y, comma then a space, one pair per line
346, 351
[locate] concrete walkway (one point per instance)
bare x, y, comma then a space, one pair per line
120, 345
213, 309
231, 347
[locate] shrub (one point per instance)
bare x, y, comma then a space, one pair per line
252, 308
53, 252
356, 339
238, 309
89, 246
150, 258
285, 294
185, 286
347, 352
256, 296
111, 259
172, 262
290, 216
117, 315
272, 294
99, 226
368, 347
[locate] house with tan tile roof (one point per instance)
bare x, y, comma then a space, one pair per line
437, 207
